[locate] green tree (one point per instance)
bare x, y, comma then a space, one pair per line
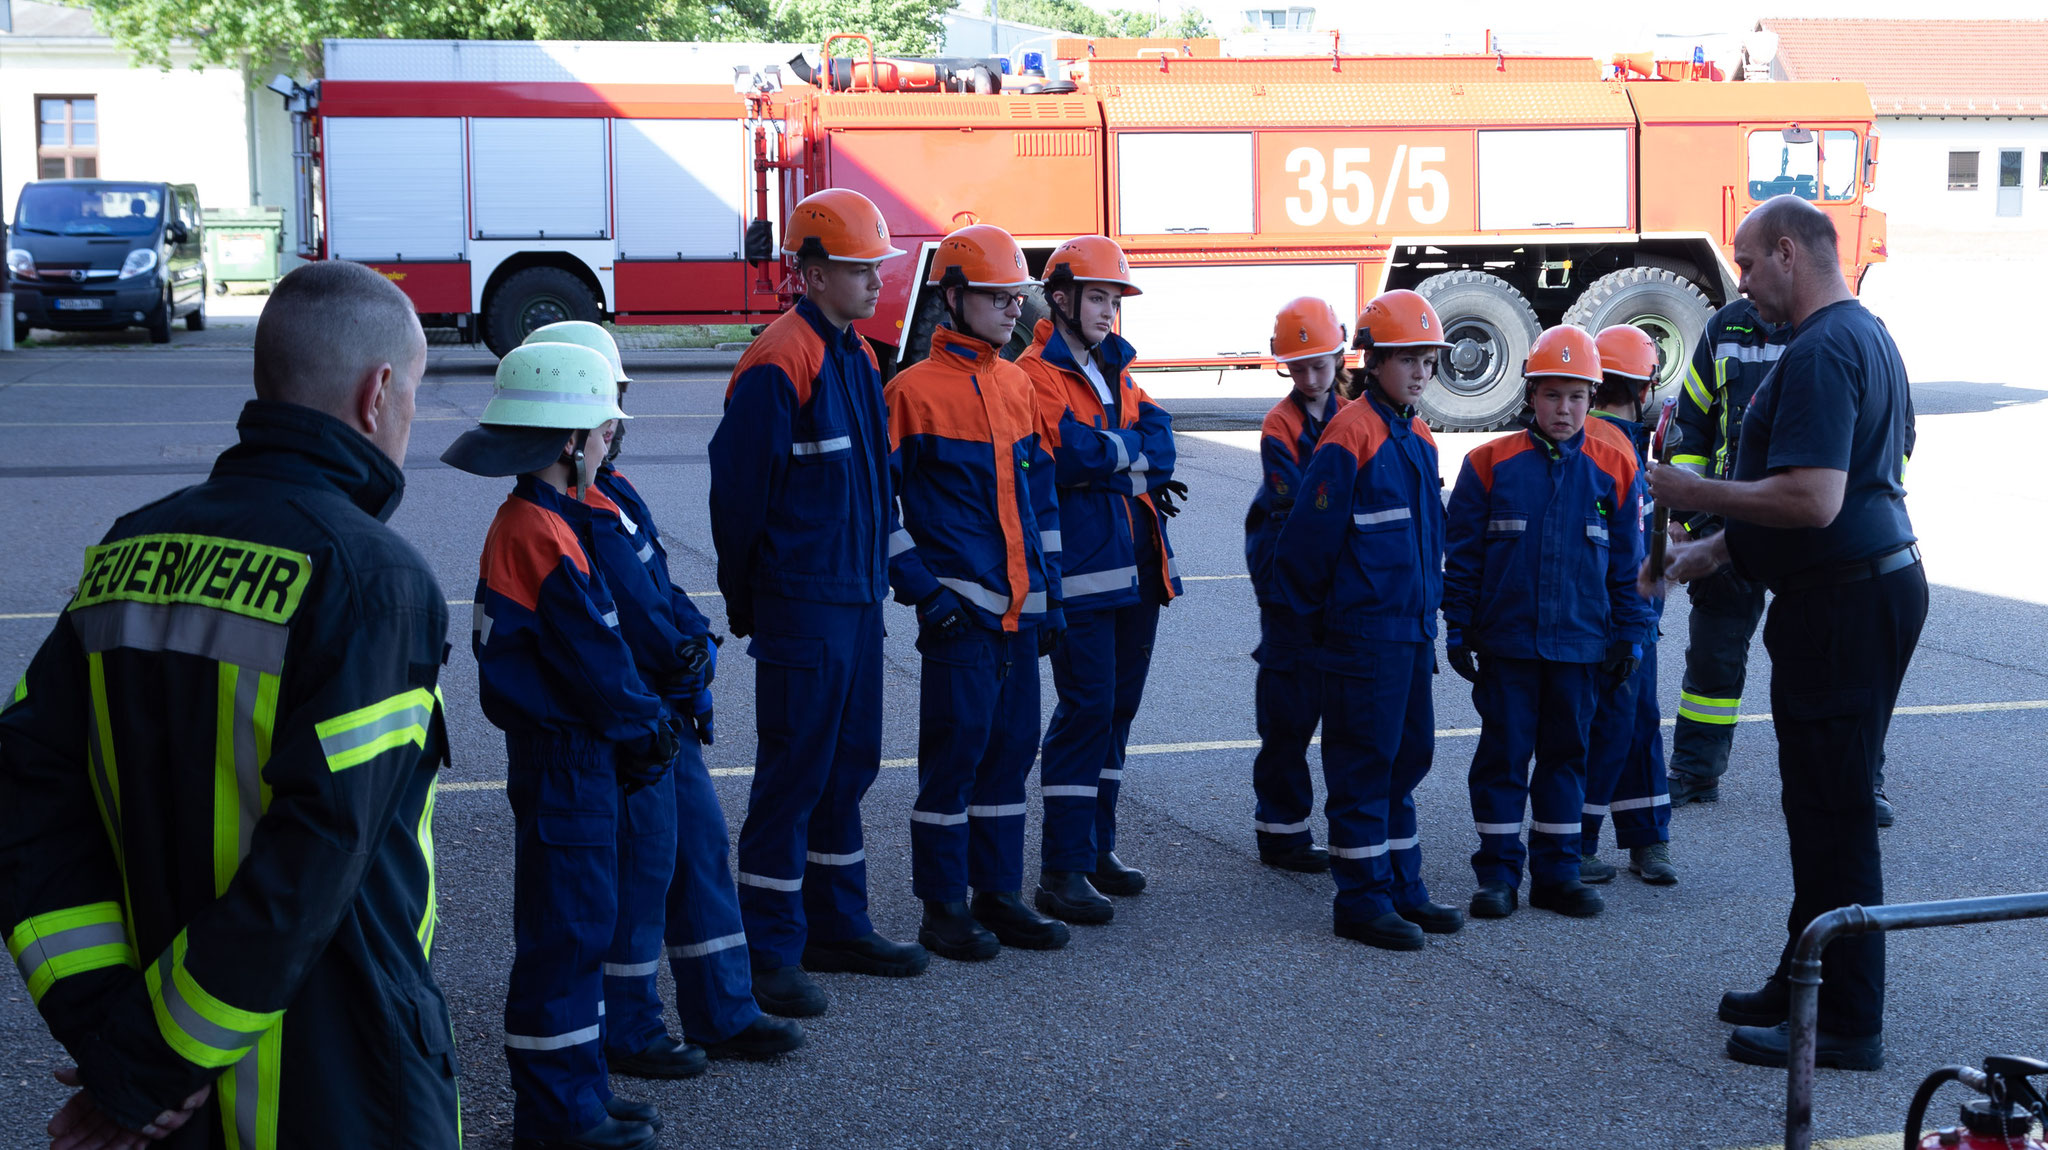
1191, 24
900, 27
1064, 15
1130, 24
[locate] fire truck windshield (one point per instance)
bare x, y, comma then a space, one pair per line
1823, 168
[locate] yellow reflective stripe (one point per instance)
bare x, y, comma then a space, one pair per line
1703, 709
201, 1028
266, 726
106, 778
20, 692
361, 735
244, 713
227, 791
426, 839
1683, 460
249, 1095
60, 943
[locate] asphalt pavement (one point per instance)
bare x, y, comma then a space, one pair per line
1218, 1009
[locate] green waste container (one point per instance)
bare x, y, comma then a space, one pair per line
242, 245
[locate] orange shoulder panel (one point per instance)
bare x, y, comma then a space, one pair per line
1283, 422
524, 546
1605, 429
1422, 429
594, 496
789, 343
1617, 460
1358, 430
1491, 454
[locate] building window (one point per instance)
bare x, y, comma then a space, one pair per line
2044, 169
67, 137
1962, 171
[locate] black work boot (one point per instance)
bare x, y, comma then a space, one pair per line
1494, 900
1305, 858
1771, 1046
1113, 877
1766, 1007
610, 1134
662, 1058
1686, 788
789, 992
765, 1037
632, 1110
1593, 868
869, 954
1433, 917
1885, 815
1067, 895
950, 932
1388, 932
1652, 864
1004, 912
1570, 898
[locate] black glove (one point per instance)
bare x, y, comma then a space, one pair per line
1463, 661
740, 619
1166, 493
701, 718
1049, 639
940, 616
1621, 662
646, 766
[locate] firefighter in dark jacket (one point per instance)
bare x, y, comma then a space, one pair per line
219, 774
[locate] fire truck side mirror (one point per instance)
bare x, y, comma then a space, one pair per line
1870, 161
760, 243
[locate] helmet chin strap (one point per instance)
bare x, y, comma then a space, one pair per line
574, 458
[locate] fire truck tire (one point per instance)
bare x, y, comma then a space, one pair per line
1658, 300
1490, 327
531, 299
931, 312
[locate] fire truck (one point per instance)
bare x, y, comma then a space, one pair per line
507, 185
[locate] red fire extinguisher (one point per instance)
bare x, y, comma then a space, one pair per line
2003, 1119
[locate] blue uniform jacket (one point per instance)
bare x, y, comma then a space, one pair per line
657, 621
980, 516
800, 470
1635, 437
1105, 460
1543, 545
1286, 442
1364, 544
550, 658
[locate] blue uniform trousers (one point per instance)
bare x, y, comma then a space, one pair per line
977, 734
818, 712
1287, 698
1379, 735
1625, 765
1099, 671
647, 860
1544, 708
565, 809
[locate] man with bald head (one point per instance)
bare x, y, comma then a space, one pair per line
1816, 512
216, 778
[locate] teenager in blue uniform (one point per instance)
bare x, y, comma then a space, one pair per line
1625, 752
1542, 616
557, 677
800, 514
1309, 345
674, 887
1360, 559
978, 557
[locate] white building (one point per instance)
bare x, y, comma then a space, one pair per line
95, 113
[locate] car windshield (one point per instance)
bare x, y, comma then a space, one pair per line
90, 209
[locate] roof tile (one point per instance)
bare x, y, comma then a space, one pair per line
1978, 67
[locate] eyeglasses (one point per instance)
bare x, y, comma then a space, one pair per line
1004, 300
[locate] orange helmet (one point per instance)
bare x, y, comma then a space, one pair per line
839, 224
1564, 350
1627, 351
1091, 259
979, 256
1399, 318
1306, 328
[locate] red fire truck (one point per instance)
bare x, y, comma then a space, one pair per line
507, 185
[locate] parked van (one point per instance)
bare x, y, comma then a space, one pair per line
87, 255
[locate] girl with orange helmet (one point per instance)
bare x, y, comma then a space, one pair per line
1359, 561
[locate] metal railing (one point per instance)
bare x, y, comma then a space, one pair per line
1805, 977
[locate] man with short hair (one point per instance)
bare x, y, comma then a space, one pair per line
1817, 513
218, 774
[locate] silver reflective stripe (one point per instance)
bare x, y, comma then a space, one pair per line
554, 1041
336, 745
631, 969
1097, 582
836, 860
611, 619
1499, 828
1113, 773
1068, 792
626, 520
193, 1023
1639, 804
480, 622
1597, 531
1116, 442
64, 942
1281, 828
1507, 524
1141, 463
899, 542
1139, 483
1172, 567
600, 1008
713, 946
1007, 810
1555, 828
580, 398
646, 552
993, 602
938, 820
248, 1080
1371, 852
1407, 844
1699, 469
1368, 518
1048, 541
821, 446
1034, 602
1593, 809
1768, 353
187, 628
766, 883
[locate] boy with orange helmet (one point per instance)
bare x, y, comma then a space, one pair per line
1113, 455
1360, 560
1542, 616
800, 515
977, 555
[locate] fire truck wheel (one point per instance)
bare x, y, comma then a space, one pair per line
931, 312
1490, 327
1661, 302
534, 298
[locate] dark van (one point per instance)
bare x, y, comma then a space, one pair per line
89, 255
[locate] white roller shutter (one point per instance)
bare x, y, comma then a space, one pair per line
1558, 178
681, 188
1186, 313
539, 178
394, 188
1178, 182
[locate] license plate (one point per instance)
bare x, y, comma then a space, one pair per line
76, 304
